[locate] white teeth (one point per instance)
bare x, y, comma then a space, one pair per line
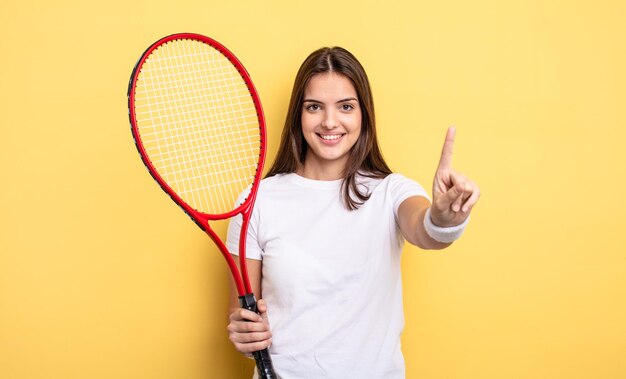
330, 136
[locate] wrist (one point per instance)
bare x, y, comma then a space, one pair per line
441, 233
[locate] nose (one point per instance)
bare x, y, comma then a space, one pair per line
330, 120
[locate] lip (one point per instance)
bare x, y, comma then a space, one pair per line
332, 141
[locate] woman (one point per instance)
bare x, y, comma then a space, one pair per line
327, 230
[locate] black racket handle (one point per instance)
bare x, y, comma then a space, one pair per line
264, 364
262, 357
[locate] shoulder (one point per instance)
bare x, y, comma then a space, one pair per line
405, 187
396, 185
396, 179
391, 181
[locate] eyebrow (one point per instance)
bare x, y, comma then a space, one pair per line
338, 101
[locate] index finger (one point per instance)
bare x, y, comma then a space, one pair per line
446, 152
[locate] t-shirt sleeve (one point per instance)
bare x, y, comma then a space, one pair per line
402, 188
253, 249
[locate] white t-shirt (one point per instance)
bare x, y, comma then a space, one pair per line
331, 277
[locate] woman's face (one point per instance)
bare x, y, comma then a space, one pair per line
331, 120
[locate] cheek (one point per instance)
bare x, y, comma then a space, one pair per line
307, 121
355, 121
356, 124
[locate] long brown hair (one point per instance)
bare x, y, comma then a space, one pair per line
365, 157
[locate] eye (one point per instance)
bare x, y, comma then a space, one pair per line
312, 107
347, 107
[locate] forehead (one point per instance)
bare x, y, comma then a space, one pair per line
330, 84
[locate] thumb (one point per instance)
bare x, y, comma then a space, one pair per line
261, 306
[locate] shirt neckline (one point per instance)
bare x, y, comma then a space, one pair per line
312, 183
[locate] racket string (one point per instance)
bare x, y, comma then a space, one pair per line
214, 172
199, 124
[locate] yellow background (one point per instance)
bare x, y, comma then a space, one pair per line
102, 276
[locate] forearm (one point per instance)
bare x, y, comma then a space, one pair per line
411, 219
425, 241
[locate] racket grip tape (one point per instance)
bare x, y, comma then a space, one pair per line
262, 357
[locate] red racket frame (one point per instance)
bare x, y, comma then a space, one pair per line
242, 280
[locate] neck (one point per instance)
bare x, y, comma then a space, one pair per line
322, 170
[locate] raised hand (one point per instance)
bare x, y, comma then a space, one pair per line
454, 195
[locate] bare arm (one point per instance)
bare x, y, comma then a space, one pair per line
411, 219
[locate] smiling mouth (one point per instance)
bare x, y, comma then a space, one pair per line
330, 137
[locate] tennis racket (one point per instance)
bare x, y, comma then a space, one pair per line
199, 127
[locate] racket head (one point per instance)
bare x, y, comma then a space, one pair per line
198, 125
